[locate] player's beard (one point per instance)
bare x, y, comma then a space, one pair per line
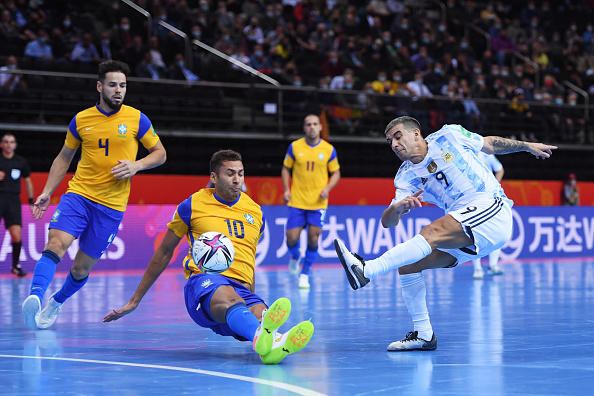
111, 104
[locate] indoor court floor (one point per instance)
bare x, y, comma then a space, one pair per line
527, 332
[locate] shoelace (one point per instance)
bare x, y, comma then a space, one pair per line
411, 336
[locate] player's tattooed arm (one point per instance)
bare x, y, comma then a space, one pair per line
499, 145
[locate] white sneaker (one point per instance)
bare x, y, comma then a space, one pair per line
292, 341
272, 319
495, 270
478, 274
49, 314
294, 266
304, 281
31, 309
353, 265
413, 343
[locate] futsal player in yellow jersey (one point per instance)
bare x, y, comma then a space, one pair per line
313, 165
226, 303
93, 206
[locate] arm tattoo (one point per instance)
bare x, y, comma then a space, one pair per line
506, 146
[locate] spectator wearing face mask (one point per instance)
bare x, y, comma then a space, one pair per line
179, 70
333, 65
39, 49
85, 51
570, 194
122, 37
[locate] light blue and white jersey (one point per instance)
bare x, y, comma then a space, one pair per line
451, 173
490, 161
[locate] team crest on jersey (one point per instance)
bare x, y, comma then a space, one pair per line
55, 216
249, 218
321, 156
122, 129
432, 167
447, 157
206, 283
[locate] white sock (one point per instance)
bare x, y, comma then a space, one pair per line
494, 257
477, 265
414, 293
405, 253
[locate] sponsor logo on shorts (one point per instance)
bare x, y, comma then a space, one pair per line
55, 216
206, 283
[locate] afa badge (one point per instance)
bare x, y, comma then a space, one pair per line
447, 156
432, 167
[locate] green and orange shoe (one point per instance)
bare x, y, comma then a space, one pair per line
293, 341
272, 319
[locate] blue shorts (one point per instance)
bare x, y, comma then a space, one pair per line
198, 292
95, 225
302, 217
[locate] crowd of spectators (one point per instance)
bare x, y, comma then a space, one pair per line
383, 50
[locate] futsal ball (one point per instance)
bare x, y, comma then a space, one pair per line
213, 252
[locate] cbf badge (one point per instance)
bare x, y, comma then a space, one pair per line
432, 167
122, 129
447, 156
321, 156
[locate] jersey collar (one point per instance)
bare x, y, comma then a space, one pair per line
104, 113
221, 200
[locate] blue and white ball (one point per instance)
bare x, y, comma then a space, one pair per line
213, 252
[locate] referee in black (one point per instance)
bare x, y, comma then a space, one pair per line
13, 167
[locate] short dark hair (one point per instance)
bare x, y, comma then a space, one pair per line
408, 122
110, 66
217, 159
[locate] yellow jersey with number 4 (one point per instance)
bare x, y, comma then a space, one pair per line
242, 221
310, 166
104, 139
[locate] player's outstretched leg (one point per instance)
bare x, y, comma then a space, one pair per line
413, 343
292, 341
353, 265
31, 310
49, 314
272, 319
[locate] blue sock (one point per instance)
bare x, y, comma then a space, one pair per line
242, 321
69, 287
294, 251
44, 272
310, 255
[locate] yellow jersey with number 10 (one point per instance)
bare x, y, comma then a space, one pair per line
310, 166
104, 139
242, 221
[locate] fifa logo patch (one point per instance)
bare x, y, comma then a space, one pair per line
249, 218
55, 216
206, 283
447, 157
122, 129
432, 167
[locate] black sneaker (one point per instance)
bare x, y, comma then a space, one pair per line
353, 265
18, 271
413, 343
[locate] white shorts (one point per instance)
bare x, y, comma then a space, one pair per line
488, 223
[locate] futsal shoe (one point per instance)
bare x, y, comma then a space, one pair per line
294, 266
478, 274
292, 341
413, 343
31, 311
495, 270
304, 281
49, 314
18, 271
272, 319
353, 265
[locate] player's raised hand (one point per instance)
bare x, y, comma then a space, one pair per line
541, 150
411, 202
115, 315
124, 169
40, 206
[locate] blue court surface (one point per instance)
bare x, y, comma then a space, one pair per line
527, 332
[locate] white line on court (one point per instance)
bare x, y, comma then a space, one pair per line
292, 388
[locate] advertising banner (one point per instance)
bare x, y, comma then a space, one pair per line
539, 232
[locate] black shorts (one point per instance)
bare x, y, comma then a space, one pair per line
10, 209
